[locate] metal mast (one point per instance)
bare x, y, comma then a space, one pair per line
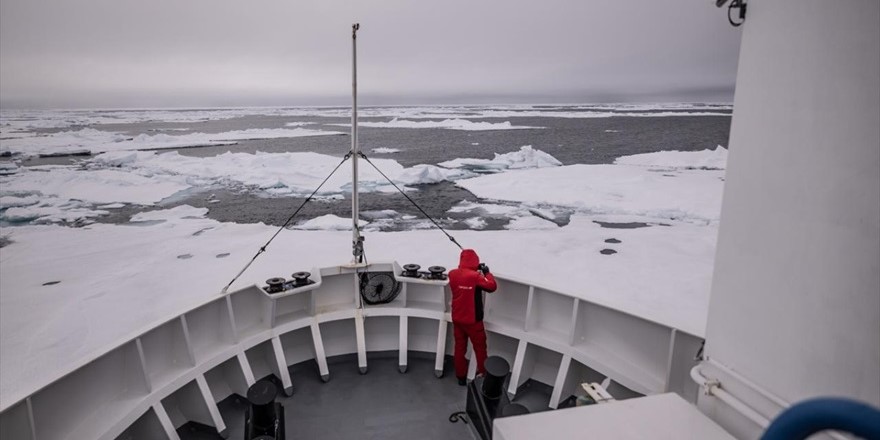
357, 240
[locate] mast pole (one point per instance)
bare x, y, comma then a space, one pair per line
357, 241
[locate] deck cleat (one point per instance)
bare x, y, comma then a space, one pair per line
274, 285
301, 279
411, 270
436, 273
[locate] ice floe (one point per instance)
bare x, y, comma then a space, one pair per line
385, 150
97, 141
688, 195
328, 222
112, 206
530, 222
450, 124
475, 223
706, 159
7, 168
175, 213
526, 157
15, 201
48, 210
95, 186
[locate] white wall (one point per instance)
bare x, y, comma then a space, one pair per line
795, 302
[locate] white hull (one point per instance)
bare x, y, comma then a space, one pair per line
179, 370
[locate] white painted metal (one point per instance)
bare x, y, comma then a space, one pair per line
516, 368
246, 368
320, 357
361, 340
441, 348
559, 383
282, 365
221, 345
210, 403
355, 232
159, 409
402, 341
712, 387
799, 236
661, 417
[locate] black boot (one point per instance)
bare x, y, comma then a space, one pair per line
462, 381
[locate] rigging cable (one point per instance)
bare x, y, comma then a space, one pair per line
309, 198
364, 156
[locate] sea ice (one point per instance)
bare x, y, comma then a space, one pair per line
175, 213
475, 222
385, 150
15, 201
94, 186
328, 222
96, 141
530, 222
706, 159
451, 124
7, 168
423, 174
526, 157
690, 195
51, 210
276, 173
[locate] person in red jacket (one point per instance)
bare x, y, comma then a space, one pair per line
468, 283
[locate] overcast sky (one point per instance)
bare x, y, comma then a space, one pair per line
172, 53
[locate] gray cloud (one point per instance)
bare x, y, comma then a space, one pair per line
125, 53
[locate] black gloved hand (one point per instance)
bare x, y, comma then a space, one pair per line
483, 268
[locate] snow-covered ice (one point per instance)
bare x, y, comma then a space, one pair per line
475, 223
94, 186
686, 195
328, 222
385, 150
451, 124
97, 141
530, 222
112, 206
52, 210
7, 168
706, 159
525, 157
16, 201
276, 173
175, 213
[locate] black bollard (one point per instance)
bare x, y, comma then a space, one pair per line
262, 396
497, 370
264, 418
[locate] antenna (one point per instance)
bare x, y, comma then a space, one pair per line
357, 242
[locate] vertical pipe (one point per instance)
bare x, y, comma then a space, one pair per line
354, 146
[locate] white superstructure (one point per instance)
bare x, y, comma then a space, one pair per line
795, 305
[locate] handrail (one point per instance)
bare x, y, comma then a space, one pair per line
713, 388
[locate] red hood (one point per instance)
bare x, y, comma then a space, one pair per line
469, 259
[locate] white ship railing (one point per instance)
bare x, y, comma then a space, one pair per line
179, 370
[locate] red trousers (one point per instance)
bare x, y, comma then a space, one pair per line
477, 334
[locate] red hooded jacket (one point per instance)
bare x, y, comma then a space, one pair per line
467, 285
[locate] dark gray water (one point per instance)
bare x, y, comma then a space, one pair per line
570, 140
